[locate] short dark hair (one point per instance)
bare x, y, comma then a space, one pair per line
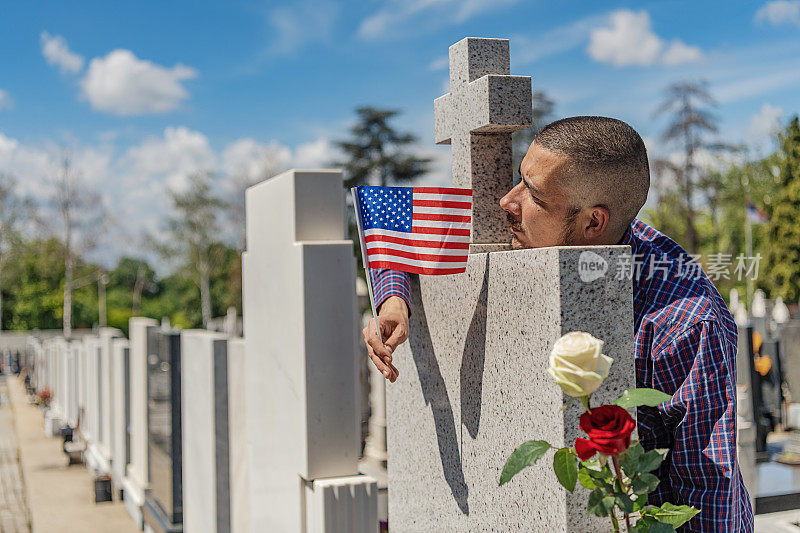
608, 163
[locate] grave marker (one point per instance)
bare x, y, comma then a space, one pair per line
473, 383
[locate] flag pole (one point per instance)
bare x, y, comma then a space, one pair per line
360, 224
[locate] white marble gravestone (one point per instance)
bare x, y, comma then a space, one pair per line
73, 348
206, 437
137, 476
91, 348
300, 353
106, 339
237, 420
473, 384
120, 353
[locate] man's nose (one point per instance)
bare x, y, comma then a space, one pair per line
510, 203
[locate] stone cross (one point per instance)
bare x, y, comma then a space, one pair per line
484, 106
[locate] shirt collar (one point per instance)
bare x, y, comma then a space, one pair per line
628, 237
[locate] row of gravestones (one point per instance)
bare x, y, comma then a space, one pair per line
204, 432
473, 382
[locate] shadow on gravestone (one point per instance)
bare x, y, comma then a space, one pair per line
434, 391
471, 377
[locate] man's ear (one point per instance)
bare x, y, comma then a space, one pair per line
597, 224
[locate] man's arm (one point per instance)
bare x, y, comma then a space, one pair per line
392, 293
701, 469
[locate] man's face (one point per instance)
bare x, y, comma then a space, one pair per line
537, 207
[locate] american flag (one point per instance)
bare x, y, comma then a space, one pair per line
424, 230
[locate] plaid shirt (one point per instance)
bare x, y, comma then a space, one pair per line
685, 345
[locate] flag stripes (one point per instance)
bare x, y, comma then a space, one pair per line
424, 230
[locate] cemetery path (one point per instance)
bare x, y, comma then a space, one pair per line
59, 497
14, 516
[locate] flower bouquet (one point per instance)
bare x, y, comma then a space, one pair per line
616, 470
44, 397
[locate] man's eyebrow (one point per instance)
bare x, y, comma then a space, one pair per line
535, 190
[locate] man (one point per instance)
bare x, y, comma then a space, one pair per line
584, 179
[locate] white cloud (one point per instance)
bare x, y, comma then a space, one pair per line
316, 154
250, 160
171, 158
766, 123
630, 40
440, 63
780, 12
56, 52
6, 102
526, 50
678, 53
387, 21
300, 24
122, 84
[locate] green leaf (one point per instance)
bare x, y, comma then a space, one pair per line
604, 473
629, 459
644, 524
645, 483
661, 527
585, 479
525, 455
625, 503
600, 502
592, 464
565, 464
638, 397
595, 503
650, 461
674, 515
639, 502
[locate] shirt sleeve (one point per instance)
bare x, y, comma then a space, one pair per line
701, 468
386, 283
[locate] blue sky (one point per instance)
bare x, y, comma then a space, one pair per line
142, 93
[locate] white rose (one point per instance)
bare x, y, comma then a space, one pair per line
577, 364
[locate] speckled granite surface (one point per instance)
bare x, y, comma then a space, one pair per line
484, 106
473, 386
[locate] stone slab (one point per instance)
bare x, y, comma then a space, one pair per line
300, 353
237, 420
137, 477
120, 352
204, 390
473, 386
342, 504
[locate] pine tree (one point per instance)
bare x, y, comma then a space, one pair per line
377, 153
783, 256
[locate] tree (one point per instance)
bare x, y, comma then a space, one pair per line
80, 212
192, 231
12, 209
543, 107
377, 153
689, 126
783, 249
244, 176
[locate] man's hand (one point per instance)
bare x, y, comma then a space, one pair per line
393, 319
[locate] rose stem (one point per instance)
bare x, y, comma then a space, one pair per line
585, 402
615, 461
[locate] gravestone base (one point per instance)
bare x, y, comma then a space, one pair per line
52, 423
473, 386
133, 498
342, 504
97, 459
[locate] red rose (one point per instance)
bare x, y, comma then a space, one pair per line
609, 428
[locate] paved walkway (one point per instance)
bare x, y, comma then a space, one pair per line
13, 506
59, 497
